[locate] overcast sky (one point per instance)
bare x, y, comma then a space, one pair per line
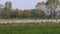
23, 4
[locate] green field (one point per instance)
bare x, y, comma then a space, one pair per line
29, 29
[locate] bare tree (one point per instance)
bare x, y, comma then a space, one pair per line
52, 5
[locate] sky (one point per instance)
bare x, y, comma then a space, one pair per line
23, 4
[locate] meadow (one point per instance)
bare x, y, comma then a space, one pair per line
30, 28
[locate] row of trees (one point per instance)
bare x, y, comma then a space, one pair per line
7, 12
33, 13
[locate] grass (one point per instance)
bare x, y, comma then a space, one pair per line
29, 29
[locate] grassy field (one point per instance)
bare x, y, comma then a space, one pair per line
29, 29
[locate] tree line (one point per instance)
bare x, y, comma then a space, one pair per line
32, 13
8, 12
